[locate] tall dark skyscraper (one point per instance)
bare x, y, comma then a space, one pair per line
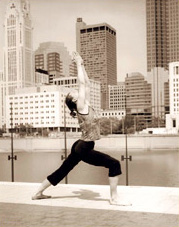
97, 46
162, 33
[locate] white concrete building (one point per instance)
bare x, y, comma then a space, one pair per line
40, 107
172, 119
95, 89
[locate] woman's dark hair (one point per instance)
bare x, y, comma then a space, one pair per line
71, 105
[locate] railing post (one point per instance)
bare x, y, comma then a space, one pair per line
65, 140
122, 156
12, 157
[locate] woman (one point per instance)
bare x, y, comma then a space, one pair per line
82, 150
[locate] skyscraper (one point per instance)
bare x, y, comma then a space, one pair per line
18, 51
162, 33
97, 46
173, 30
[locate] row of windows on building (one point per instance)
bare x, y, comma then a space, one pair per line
27, 97
34, 107
175, 80
117, 93
175, 90
42, 112
11, 21
176, 104
175, 94
33, 102
39, 123
52, 122
65, 82
32, 118
176, 110
95, 29
113, 114
11, 38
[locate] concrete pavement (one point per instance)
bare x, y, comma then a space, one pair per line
88, 205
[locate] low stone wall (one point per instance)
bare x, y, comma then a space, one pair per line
140, 142
113, 142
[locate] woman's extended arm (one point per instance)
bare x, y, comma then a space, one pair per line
83, 85
87, 84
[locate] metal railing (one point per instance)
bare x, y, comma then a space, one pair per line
126, 157
12, 157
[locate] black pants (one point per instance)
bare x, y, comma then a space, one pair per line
83, 151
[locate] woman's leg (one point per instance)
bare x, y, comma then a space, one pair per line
72, 160
39, 194
93, 157
113, 181
100, 159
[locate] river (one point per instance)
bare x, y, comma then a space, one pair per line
147, 168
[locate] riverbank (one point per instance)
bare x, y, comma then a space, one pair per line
111, 142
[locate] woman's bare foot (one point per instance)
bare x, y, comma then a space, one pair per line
40, 196
120, 202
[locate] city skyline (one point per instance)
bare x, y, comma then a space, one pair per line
127, 17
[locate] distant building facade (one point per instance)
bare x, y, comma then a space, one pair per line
172, 119
159, 79
138, 97
117, 96
40, 107
41, 77
97, 46
95, 89
55, 59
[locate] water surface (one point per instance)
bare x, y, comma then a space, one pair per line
157, 168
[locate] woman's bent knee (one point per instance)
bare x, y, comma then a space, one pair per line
115, 168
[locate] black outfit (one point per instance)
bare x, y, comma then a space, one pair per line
83, 151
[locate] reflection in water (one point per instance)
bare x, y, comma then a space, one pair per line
158, 168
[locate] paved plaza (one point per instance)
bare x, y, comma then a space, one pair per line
88, 206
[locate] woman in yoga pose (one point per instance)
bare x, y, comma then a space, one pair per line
83, 149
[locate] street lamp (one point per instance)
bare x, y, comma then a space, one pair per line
12, 157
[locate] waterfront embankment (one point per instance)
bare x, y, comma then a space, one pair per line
87, 205
111, 142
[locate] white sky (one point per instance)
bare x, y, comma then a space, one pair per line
55, 20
